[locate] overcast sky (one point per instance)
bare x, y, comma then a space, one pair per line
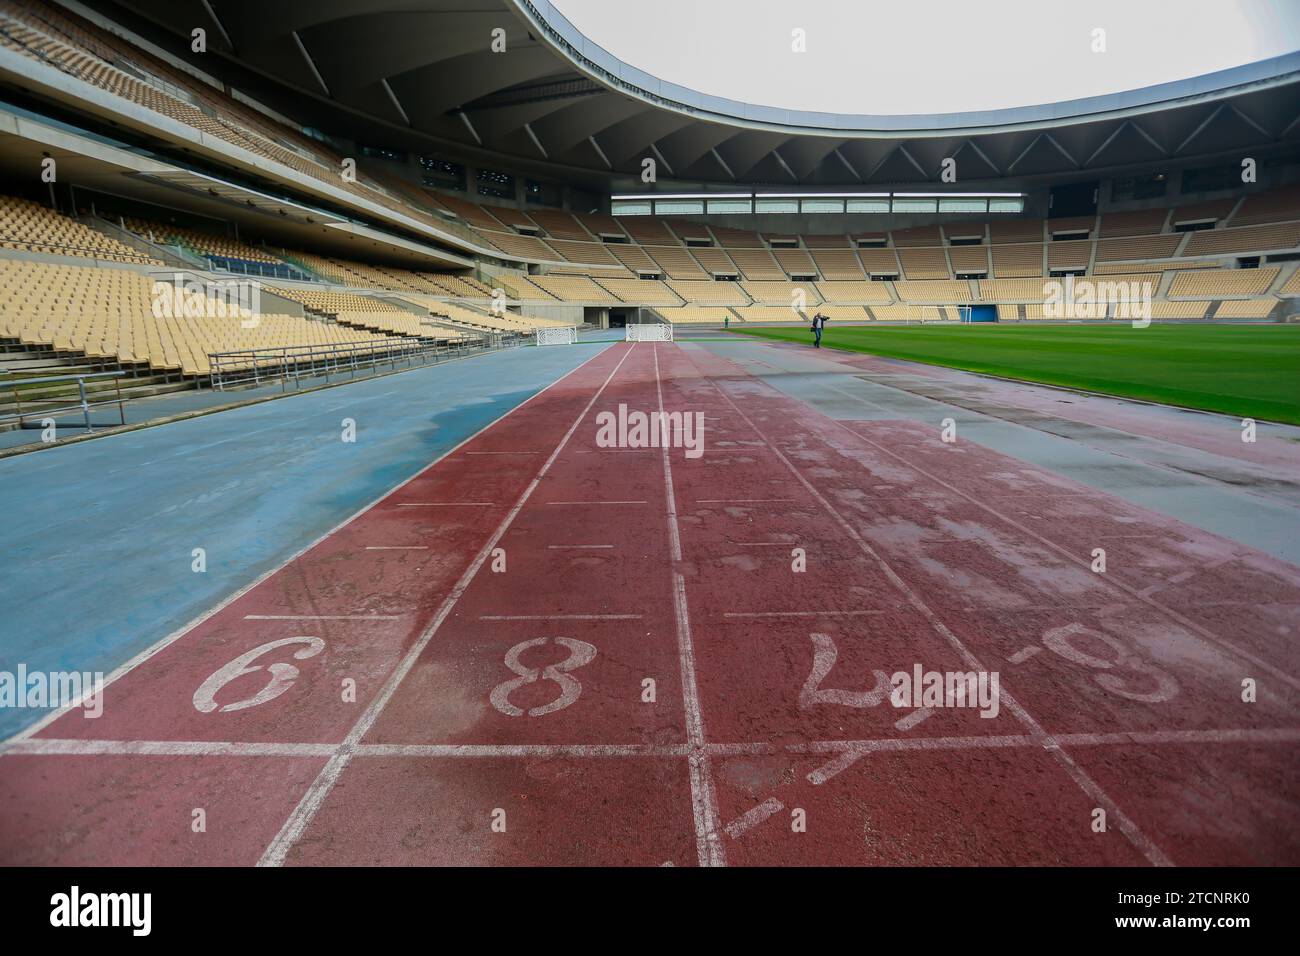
932, 56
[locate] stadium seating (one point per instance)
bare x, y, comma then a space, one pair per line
676, 262
574, 289
1015, 231
1145, 222
1219, 283
924, 263
1074, 254
1263, 221
1246, 308
756, 263
715, 261
1246, 239
879, 261
1014, 253
329, 302
523, 288
709, 292
939, 290
969, 259
400, 323
908, 313
771, 313
203, 243
641, 291
26, 226
1018, 260
838, 263
861, 291
1146, 247
108, 313
1275, 205
768, 293
696, 315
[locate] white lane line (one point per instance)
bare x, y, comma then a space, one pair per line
751, 614
55, 747
848, 751
311, 801
704, 802
446, 504
602, 451
835, 766
851, 751
752, 818
322, 617
520, 750
560, 617
596, 502
577, 547
742, 501
1022, 655
127, 666
1205, 635
1081, 778
911, 720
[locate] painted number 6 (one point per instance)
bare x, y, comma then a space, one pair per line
283, 674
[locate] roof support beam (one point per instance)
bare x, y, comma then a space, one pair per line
654, 148
464, 118
784, 165
912, 159
397, 105
984, 156
311, 64
600, 152
1061, 149
528, 127
1250, 121
722, 162
847, 164
1196, 132
221, 27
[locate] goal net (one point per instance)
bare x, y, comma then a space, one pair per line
557, 336
649, 332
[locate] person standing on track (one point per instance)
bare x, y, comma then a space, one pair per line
818, 323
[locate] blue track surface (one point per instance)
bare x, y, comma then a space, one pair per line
97, 536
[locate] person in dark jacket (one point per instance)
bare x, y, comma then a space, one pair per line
818, 324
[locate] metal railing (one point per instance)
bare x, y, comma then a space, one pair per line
83, 405
263, 270
292, 363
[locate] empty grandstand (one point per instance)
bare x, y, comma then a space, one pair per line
852, 380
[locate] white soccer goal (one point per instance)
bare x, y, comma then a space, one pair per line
557, 336
649, 332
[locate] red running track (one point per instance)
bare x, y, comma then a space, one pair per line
568, 654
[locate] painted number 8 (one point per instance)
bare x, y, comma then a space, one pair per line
580, 653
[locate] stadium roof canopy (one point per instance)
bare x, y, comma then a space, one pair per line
413, 73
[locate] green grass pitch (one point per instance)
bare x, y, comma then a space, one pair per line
1247, 370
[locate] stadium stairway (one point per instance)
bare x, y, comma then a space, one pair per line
20, 363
